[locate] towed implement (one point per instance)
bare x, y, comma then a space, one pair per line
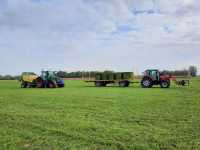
47, 79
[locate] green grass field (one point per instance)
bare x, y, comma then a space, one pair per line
84, 117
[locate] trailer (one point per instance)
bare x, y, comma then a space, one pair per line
123, 79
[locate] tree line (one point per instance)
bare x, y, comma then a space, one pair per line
9, 77
191, 71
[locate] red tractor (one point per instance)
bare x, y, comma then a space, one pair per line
153, 77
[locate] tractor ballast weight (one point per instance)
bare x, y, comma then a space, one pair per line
48, 79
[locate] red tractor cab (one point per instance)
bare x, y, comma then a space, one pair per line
153, 77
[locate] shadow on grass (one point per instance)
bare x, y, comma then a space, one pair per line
130, 87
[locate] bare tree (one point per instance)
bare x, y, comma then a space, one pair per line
193, 71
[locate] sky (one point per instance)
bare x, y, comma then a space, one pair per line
120, 35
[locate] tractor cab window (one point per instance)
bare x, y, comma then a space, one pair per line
154, 74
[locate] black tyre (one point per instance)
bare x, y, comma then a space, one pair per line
124, 83
29, 85
183, 82
60, 85
23, 85
39, 83
51, 84
99, 84
147, 83
165, 84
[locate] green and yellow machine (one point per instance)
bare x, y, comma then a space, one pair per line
47, 79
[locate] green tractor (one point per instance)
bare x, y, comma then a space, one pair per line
48, 79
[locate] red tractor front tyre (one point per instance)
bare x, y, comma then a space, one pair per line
165, 83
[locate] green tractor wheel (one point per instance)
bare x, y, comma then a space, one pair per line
39, 83
51, 84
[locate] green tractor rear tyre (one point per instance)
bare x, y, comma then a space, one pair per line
51, 84
39, 83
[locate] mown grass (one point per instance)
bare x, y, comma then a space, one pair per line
84, 117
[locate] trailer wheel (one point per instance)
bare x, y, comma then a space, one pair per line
147, 83
124, 83
99, 84
165, 84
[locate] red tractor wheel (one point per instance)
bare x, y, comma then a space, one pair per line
147, 82
165, 83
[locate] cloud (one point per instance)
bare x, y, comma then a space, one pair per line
98, 35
